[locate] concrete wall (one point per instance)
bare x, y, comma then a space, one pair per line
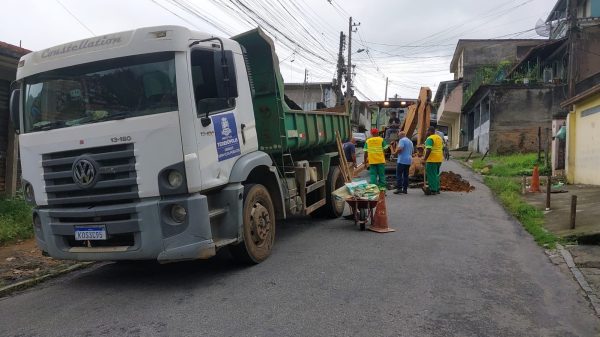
589, 50
583, 147
312, 95
515, 116
8, 72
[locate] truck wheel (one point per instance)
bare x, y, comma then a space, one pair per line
333, 208
258, 217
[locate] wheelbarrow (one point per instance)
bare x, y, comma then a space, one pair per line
363, 211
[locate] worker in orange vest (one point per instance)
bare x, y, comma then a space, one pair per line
375, 159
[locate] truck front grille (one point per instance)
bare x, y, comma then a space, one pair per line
117, 181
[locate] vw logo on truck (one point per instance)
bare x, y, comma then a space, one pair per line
84, 172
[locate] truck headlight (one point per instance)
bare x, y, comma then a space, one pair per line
178, 213
172, 180
28, 193
175, 179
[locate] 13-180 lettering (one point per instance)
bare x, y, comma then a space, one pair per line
120, 139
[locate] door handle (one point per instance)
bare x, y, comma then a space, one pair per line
243, 126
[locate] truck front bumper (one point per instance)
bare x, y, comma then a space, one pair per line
141, 230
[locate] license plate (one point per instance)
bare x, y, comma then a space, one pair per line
90, 233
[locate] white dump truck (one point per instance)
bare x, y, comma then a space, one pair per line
168, 144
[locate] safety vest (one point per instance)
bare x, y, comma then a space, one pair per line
375, 150
436, 146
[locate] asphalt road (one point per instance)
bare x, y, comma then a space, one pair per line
457, 265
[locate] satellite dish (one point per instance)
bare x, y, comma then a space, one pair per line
542, 28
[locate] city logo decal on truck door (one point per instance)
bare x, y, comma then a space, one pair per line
228, 144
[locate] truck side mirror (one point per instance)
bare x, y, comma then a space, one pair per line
15, 103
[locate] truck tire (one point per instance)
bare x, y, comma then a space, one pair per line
258, 226
333, 208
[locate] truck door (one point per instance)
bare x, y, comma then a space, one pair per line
225, 128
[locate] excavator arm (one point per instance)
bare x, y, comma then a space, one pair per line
418, 116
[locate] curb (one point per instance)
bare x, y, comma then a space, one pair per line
585, 286
36, 280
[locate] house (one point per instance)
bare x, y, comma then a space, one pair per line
549, 64
588, 14
448, 101
9, 57
583, 137
508, 117
469, 57
311, 96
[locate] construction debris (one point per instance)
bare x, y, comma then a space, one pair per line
453, 182
449, 181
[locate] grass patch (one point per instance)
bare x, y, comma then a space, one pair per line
15, 220
513, 165
509, 193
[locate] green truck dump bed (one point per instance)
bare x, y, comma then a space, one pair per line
281, 129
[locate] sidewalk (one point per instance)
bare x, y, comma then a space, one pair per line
557, 220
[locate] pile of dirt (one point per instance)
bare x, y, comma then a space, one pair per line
453, 182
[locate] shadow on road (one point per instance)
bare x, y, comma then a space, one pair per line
125, 275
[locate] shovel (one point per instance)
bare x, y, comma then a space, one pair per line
425, 187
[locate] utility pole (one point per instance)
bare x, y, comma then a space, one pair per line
304, 89
340, 70
349, 91
385, 98
572, 40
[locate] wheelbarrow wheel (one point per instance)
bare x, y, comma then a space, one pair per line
362, 216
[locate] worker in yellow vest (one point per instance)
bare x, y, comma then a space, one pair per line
434, 154
375, 158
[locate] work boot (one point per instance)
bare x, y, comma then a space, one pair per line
404, 192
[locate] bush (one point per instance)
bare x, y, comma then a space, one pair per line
15, 220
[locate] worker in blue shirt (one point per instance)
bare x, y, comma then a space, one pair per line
404, 149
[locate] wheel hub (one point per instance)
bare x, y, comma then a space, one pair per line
260, 222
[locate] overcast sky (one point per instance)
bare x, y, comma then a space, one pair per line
408, 41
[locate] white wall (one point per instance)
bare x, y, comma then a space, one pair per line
587, 145
481, 138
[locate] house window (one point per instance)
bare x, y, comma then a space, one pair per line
590, 111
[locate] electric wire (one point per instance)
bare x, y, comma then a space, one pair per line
75, 17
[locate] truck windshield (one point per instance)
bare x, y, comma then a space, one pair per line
99, 91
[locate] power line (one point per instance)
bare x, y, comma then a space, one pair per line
175, 14
76, 18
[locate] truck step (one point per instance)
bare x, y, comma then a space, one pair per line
213, 213
223, 242
314, 186
314, 206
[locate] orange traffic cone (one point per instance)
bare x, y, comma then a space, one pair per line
380, 223
535, 181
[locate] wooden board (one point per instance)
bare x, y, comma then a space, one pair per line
343, 162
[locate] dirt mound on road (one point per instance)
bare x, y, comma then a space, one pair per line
453, 182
